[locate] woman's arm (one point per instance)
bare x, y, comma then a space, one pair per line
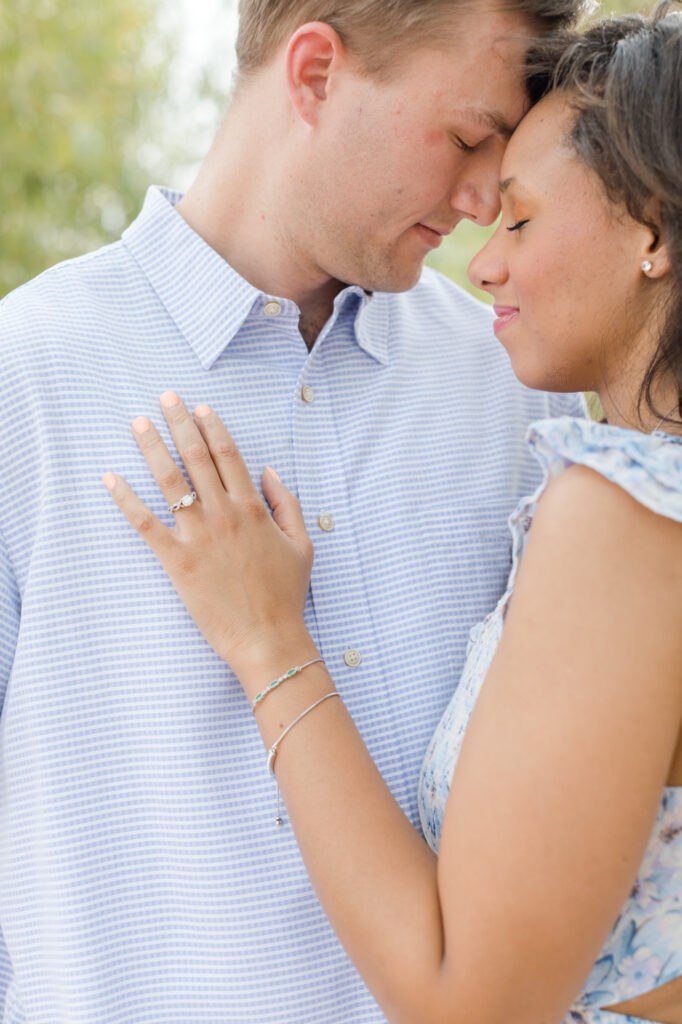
559, 778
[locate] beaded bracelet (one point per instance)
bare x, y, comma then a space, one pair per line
282, 679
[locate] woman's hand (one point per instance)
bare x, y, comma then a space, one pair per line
242, 574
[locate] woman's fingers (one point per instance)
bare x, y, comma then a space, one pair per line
208, 452
239, 573
192, 449
286, 511
233, 472
142, 519
163, 467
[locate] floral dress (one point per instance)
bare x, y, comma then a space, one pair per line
644, 949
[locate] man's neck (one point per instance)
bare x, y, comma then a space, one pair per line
231, 206
314, 315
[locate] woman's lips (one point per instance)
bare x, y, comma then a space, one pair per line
505, 315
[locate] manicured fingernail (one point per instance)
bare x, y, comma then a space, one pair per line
141, 424
169, 399
271, 470
201, 411
109, 481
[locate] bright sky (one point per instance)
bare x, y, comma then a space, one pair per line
206, 31
209, 28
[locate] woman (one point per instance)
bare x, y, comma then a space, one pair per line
564, 814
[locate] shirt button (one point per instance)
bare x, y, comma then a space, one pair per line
272, 309
352, 658
307, 394
326, 523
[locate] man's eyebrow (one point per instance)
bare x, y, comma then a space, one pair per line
495, 120
504, 185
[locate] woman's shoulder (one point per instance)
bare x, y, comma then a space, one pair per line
646, 468
616, 548
607, 522
584, 505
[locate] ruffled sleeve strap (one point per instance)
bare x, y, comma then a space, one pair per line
647, 466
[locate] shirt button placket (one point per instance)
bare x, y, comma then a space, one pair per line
315, 438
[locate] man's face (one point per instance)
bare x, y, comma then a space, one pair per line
398, 164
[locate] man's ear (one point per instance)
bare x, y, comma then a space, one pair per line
314, 54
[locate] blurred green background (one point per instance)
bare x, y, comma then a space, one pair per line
100, 99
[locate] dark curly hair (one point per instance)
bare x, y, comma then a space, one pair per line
624, 77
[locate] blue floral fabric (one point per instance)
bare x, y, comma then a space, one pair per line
644, 949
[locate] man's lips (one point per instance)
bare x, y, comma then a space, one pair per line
505, 315
431, 235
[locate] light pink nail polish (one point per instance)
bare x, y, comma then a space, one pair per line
271, 470
169, 399
109, 481
201, 411
141, 424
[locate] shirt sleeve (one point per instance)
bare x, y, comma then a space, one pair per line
10, 616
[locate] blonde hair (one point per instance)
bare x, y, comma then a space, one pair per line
379, 32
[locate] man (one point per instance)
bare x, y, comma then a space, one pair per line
142, 876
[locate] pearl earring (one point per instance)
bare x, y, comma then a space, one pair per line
647, 265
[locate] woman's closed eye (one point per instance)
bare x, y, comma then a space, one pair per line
519, 224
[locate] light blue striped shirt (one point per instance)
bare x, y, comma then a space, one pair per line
142, 877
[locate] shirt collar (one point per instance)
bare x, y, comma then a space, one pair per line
372, 325
207, 299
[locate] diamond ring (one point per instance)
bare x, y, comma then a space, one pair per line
185, 502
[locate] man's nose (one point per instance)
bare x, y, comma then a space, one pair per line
476, 193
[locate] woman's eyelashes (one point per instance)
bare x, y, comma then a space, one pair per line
519, 224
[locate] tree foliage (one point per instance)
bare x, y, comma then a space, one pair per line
79, 81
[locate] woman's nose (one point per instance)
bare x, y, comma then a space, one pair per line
487, 268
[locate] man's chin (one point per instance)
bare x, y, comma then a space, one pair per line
395, 279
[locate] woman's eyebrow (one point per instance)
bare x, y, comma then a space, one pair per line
504, 185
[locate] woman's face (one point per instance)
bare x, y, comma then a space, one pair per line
564, 266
